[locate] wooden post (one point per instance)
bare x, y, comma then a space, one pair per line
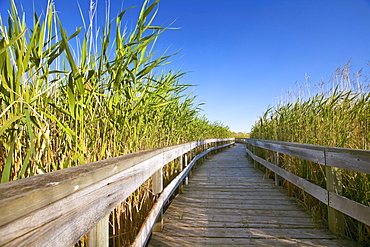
289, 185
203, 148
185, 165
254, 161
190, 156
334, 184
181, 185
99, 235
276, 160
157, 189
266, 158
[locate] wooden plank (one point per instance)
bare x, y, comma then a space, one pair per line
279, 199
257, 233
208, 217
243, 211
239, 223
354, 160
313, 189
306, 152
233, 205
354, 209
172, 241
177, 216
344, 158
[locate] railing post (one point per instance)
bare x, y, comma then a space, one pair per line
182, 166
190, 156
99, 235
157, 189
185, 165
266, 158
276, 161
254, 161
203, 148
334, 184
289, 184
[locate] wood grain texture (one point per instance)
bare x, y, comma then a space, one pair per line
344, 158
356, 210
348, 158
228, 203
58, 208
157, 210
313, 189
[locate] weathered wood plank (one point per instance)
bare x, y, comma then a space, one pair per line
235, 205
356, 210
277, 199
344, 158
225, 223
307, 152
246, 232
173, 241
354, 160
362, 157
303, 220
237, 211
313, 189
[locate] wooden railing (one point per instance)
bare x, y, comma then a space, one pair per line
59, 208
333, 159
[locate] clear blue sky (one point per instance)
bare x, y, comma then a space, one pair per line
245, 53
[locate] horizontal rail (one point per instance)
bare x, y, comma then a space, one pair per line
355, 160
344, 158
58, 208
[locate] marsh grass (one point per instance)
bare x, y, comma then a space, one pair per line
72, 98
337, 115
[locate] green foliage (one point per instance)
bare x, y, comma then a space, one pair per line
337, 116
63, 104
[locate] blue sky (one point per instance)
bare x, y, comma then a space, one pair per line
244, 54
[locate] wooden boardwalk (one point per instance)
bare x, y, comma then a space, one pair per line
229, 203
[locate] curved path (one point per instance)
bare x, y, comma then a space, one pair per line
229, 203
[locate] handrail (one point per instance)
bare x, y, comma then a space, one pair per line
344, 158
59, 208
332, 158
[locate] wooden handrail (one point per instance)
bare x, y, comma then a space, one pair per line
332, 158
58, 208
344, 158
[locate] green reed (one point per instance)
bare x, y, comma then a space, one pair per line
337, 115
72, 98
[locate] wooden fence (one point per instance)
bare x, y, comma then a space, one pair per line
333, 159
59, 208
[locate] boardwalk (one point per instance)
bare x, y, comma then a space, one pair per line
228, 203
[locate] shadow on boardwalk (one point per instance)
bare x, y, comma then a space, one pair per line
228, 203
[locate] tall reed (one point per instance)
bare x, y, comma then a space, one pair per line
71, 98
337, 115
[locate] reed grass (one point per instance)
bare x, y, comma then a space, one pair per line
336, 114
69, 98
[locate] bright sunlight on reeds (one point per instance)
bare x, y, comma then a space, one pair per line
65, 103
69, 98
333, 114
